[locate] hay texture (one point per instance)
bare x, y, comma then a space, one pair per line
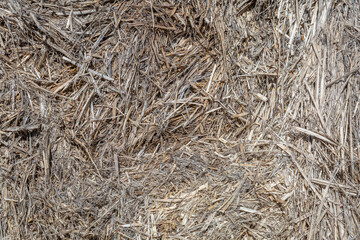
193, 119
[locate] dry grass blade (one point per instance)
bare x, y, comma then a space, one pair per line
320, 136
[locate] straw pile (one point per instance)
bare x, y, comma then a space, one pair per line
179, 119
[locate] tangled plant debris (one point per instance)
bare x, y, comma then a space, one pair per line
179, 119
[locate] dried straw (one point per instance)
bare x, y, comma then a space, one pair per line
179, 119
